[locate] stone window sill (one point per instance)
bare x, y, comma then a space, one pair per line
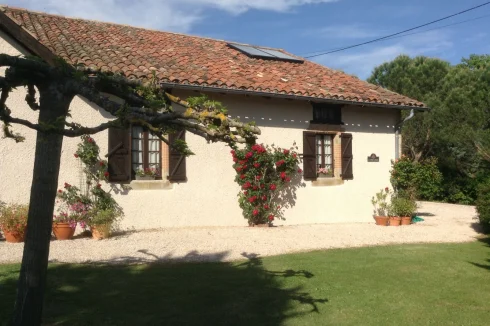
150, 185
327, 182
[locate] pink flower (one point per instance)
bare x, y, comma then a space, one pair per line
294, 155
255, 212
283, 175
279, 163
249, 154
252, 199
273, 187
247, 185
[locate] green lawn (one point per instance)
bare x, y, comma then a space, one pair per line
446, 284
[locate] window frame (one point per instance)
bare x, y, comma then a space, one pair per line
323, 155
146, 153
331, 112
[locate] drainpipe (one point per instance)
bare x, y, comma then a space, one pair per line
398, 128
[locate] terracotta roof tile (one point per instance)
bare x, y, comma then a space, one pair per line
136, 52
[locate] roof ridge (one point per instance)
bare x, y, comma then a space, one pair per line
36, 12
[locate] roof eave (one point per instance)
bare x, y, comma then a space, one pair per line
289, 96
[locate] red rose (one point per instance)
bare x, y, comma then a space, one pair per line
255, 188
273, 187
262, 186
67, 185
60, 191
245, 192
244, 167
257, 177
387, 189
264, 197
249, 154
271, 217
99, 185
299, 170
257, 165
278, 207
286, 152
255, 212
76, 155
90, 140
242, 176
101, 163
288, 179
238, 169
232, 152
294, 155
235, 159
266, 206
247, 185
106, 174
252, 199
283, 175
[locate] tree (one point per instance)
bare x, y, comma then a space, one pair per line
145, 105
420, 78
456, 130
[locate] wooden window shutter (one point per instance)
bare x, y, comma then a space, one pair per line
346, 148
177, 164
309, 156
119, 155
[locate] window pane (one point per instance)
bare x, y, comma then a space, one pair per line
154, 158
153, 145
137, 132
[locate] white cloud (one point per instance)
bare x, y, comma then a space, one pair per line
174, 15
362, 61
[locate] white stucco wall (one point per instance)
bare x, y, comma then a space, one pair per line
209, 195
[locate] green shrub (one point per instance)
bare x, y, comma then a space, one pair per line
401, 206
423, 179
483, 203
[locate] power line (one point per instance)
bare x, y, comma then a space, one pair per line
402, 32
425, 31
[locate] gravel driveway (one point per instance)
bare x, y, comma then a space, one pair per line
443, 223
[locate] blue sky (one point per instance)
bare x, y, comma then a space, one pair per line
303, 26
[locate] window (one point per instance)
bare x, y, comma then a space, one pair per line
324, 155
146, 150
327, 113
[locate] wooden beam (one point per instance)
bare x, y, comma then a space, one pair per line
25, 38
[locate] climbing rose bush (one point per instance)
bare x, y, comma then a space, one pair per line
263, 173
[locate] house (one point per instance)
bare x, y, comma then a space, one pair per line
337, 120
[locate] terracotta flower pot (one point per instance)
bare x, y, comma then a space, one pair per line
395, 221
382, 220
101, 231
406, 220
14, 237
63, 231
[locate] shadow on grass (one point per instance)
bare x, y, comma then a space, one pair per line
486, 241
242, 293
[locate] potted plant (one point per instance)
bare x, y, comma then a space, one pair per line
380, 204
147, 174
102, 222
13, 222
324, 173
73, 208
403, 209
104, 214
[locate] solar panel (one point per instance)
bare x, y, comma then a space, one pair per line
258, 52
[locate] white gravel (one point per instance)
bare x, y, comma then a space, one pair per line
443, 223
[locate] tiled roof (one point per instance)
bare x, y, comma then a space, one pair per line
190, 60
